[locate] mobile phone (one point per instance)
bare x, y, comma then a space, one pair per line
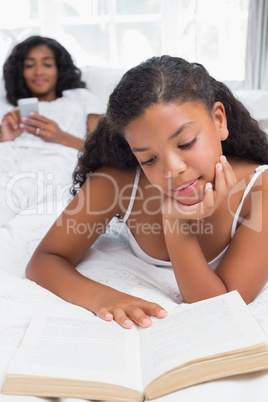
27, 105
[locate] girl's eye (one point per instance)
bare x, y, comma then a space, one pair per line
28, 65
149, 161
187, 145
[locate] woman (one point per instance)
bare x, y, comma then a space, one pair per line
41, 155
40, 67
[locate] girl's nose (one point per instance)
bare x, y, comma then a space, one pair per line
174, 165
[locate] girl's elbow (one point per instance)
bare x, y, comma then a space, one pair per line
30, 271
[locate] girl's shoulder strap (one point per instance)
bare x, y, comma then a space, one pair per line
133, 195
258, 171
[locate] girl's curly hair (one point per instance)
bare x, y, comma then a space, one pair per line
69, 76
162, 80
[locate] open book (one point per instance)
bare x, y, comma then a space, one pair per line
85, 357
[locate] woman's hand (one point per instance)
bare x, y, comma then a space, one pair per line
11, 126
42, 127
126, 309
49, 131
224, 181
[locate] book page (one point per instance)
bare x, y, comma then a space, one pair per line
198, 330
83, 348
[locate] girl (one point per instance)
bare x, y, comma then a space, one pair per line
158, 159
41, 67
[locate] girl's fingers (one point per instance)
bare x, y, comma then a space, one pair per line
138, 315
224, 180
132, 313
228, 172
122, 318
220, 183
208, 200
126, 317
142, 313
206, 207
105, 315
153, 309
118, 315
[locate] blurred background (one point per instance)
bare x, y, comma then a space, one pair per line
228, 36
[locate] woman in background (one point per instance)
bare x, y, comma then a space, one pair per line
42, 155
41, 67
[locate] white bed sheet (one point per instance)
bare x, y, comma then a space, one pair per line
111, 262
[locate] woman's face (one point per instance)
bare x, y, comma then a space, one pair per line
178, 146
40, 72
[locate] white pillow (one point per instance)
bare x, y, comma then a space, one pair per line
101, 80
256, 101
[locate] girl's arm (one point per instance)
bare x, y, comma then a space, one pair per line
244, 266
53, 263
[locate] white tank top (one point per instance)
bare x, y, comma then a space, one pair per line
150, 260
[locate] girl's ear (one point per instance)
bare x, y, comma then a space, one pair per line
219, 117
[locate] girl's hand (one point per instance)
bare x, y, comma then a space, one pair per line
126, 309
224, 181
11, 126
42, 127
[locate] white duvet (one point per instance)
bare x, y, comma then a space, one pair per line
110, 261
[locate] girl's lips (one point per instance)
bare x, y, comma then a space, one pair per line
186, 188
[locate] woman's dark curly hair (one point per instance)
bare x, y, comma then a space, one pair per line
162, 80
69, 76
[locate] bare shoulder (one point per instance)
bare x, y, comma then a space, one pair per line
102, 192
263, 177
111, 181
244, 171
261, 185
121, 177
260, 172
257, 199
244, 266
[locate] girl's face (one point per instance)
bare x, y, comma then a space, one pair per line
178, 146
40, 73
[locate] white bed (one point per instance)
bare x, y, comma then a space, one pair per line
111, 262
